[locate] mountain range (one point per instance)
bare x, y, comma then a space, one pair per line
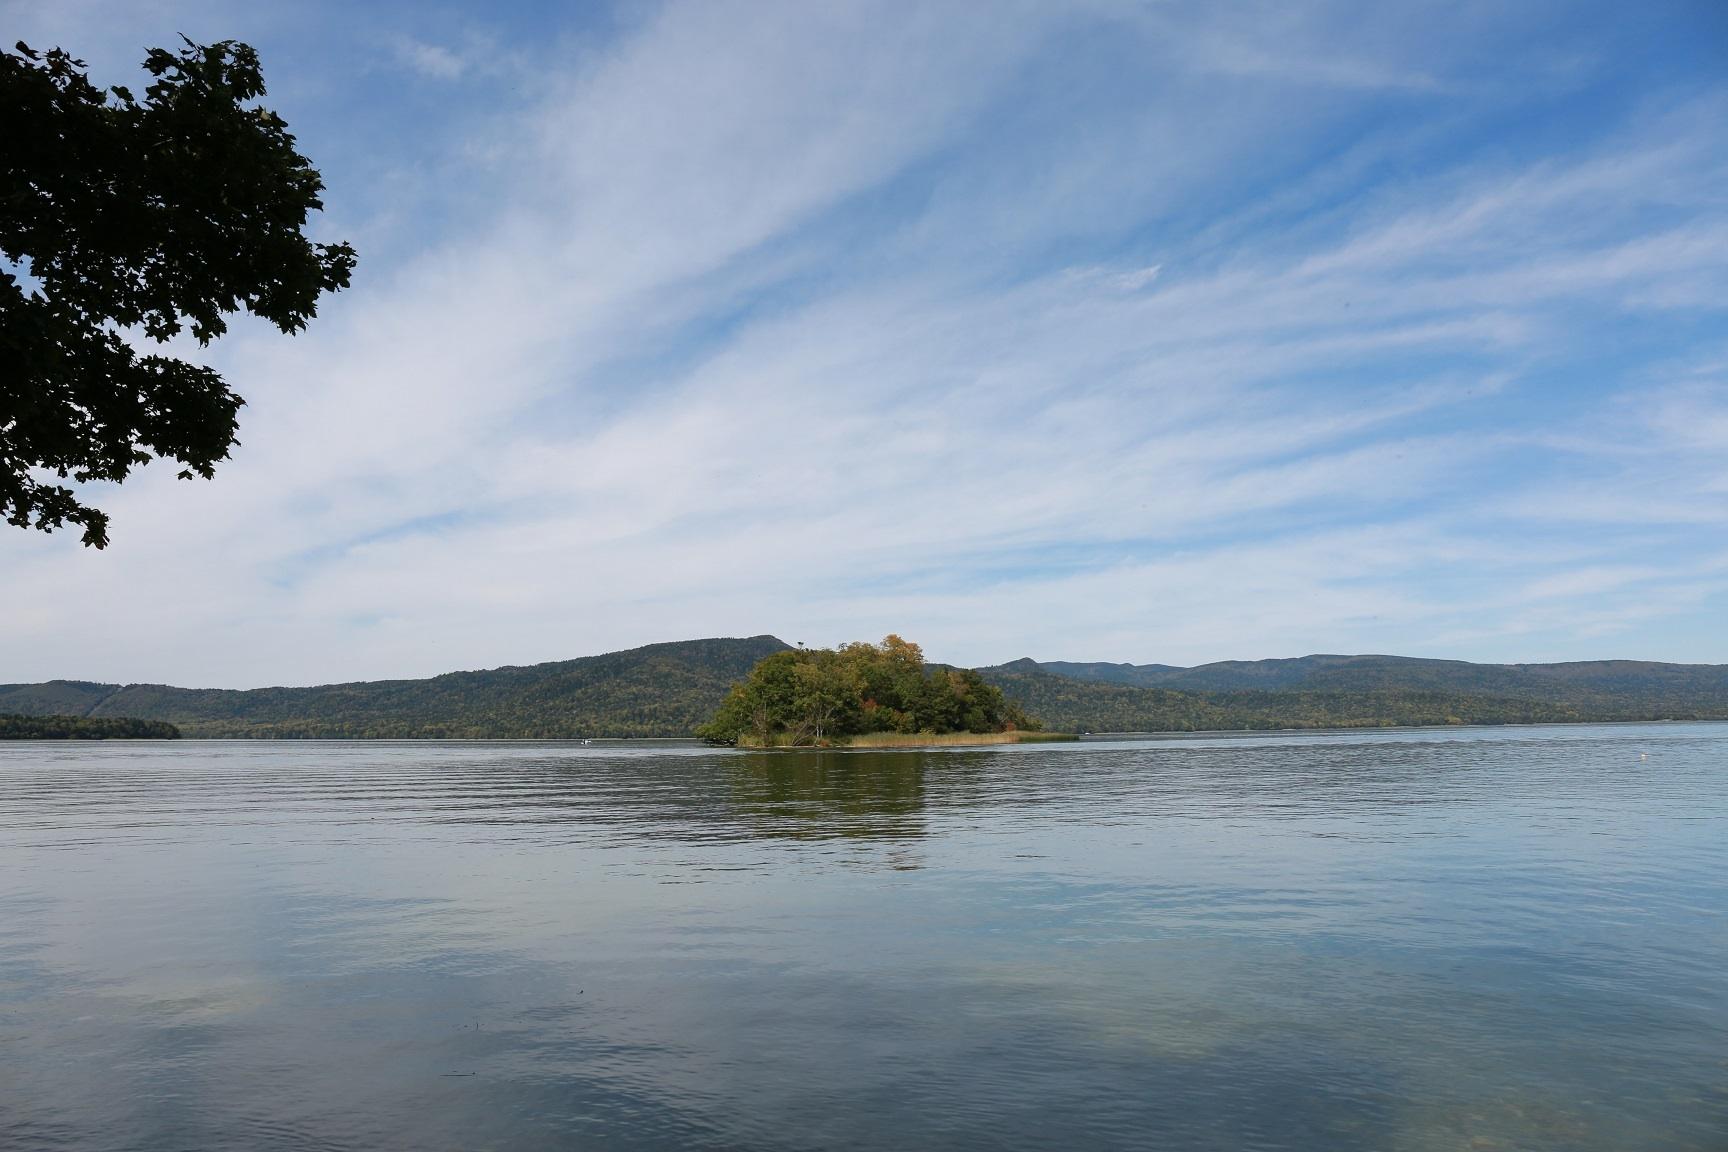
658, 690
668, 689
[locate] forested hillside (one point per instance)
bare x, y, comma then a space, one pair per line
671, 689
84, 728
658, 690
1619, 688
1068, 704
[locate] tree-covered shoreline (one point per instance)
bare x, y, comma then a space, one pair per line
811, 697
85, 728
671, 689
1100, 706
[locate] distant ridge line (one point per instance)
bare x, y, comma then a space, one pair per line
666, 689
663, 689
1335, 690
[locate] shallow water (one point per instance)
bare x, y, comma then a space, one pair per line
1469, 939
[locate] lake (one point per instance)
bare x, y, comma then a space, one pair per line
1400, 940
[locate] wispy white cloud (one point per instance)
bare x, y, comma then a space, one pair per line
771, 320
432, 60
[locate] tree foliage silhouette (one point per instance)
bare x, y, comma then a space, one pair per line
125, 220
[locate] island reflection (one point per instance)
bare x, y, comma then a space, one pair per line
830, 795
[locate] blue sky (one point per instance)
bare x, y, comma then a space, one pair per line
1163, 332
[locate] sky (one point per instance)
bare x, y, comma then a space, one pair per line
1101, 330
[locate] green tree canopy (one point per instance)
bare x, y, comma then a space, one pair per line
811, 696
84, 728
122, 217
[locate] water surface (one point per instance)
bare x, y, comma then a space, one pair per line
1472, 939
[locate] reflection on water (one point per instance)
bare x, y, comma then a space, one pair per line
1394, 941
818, 795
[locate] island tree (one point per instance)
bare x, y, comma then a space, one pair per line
129, 219
812, 696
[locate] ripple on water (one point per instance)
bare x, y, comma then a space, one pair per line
1392, 940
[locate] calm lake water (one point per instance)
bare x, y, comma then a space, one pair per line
1470, 939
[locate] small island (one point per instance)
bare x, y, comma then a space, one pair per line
865, 695
84, 728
